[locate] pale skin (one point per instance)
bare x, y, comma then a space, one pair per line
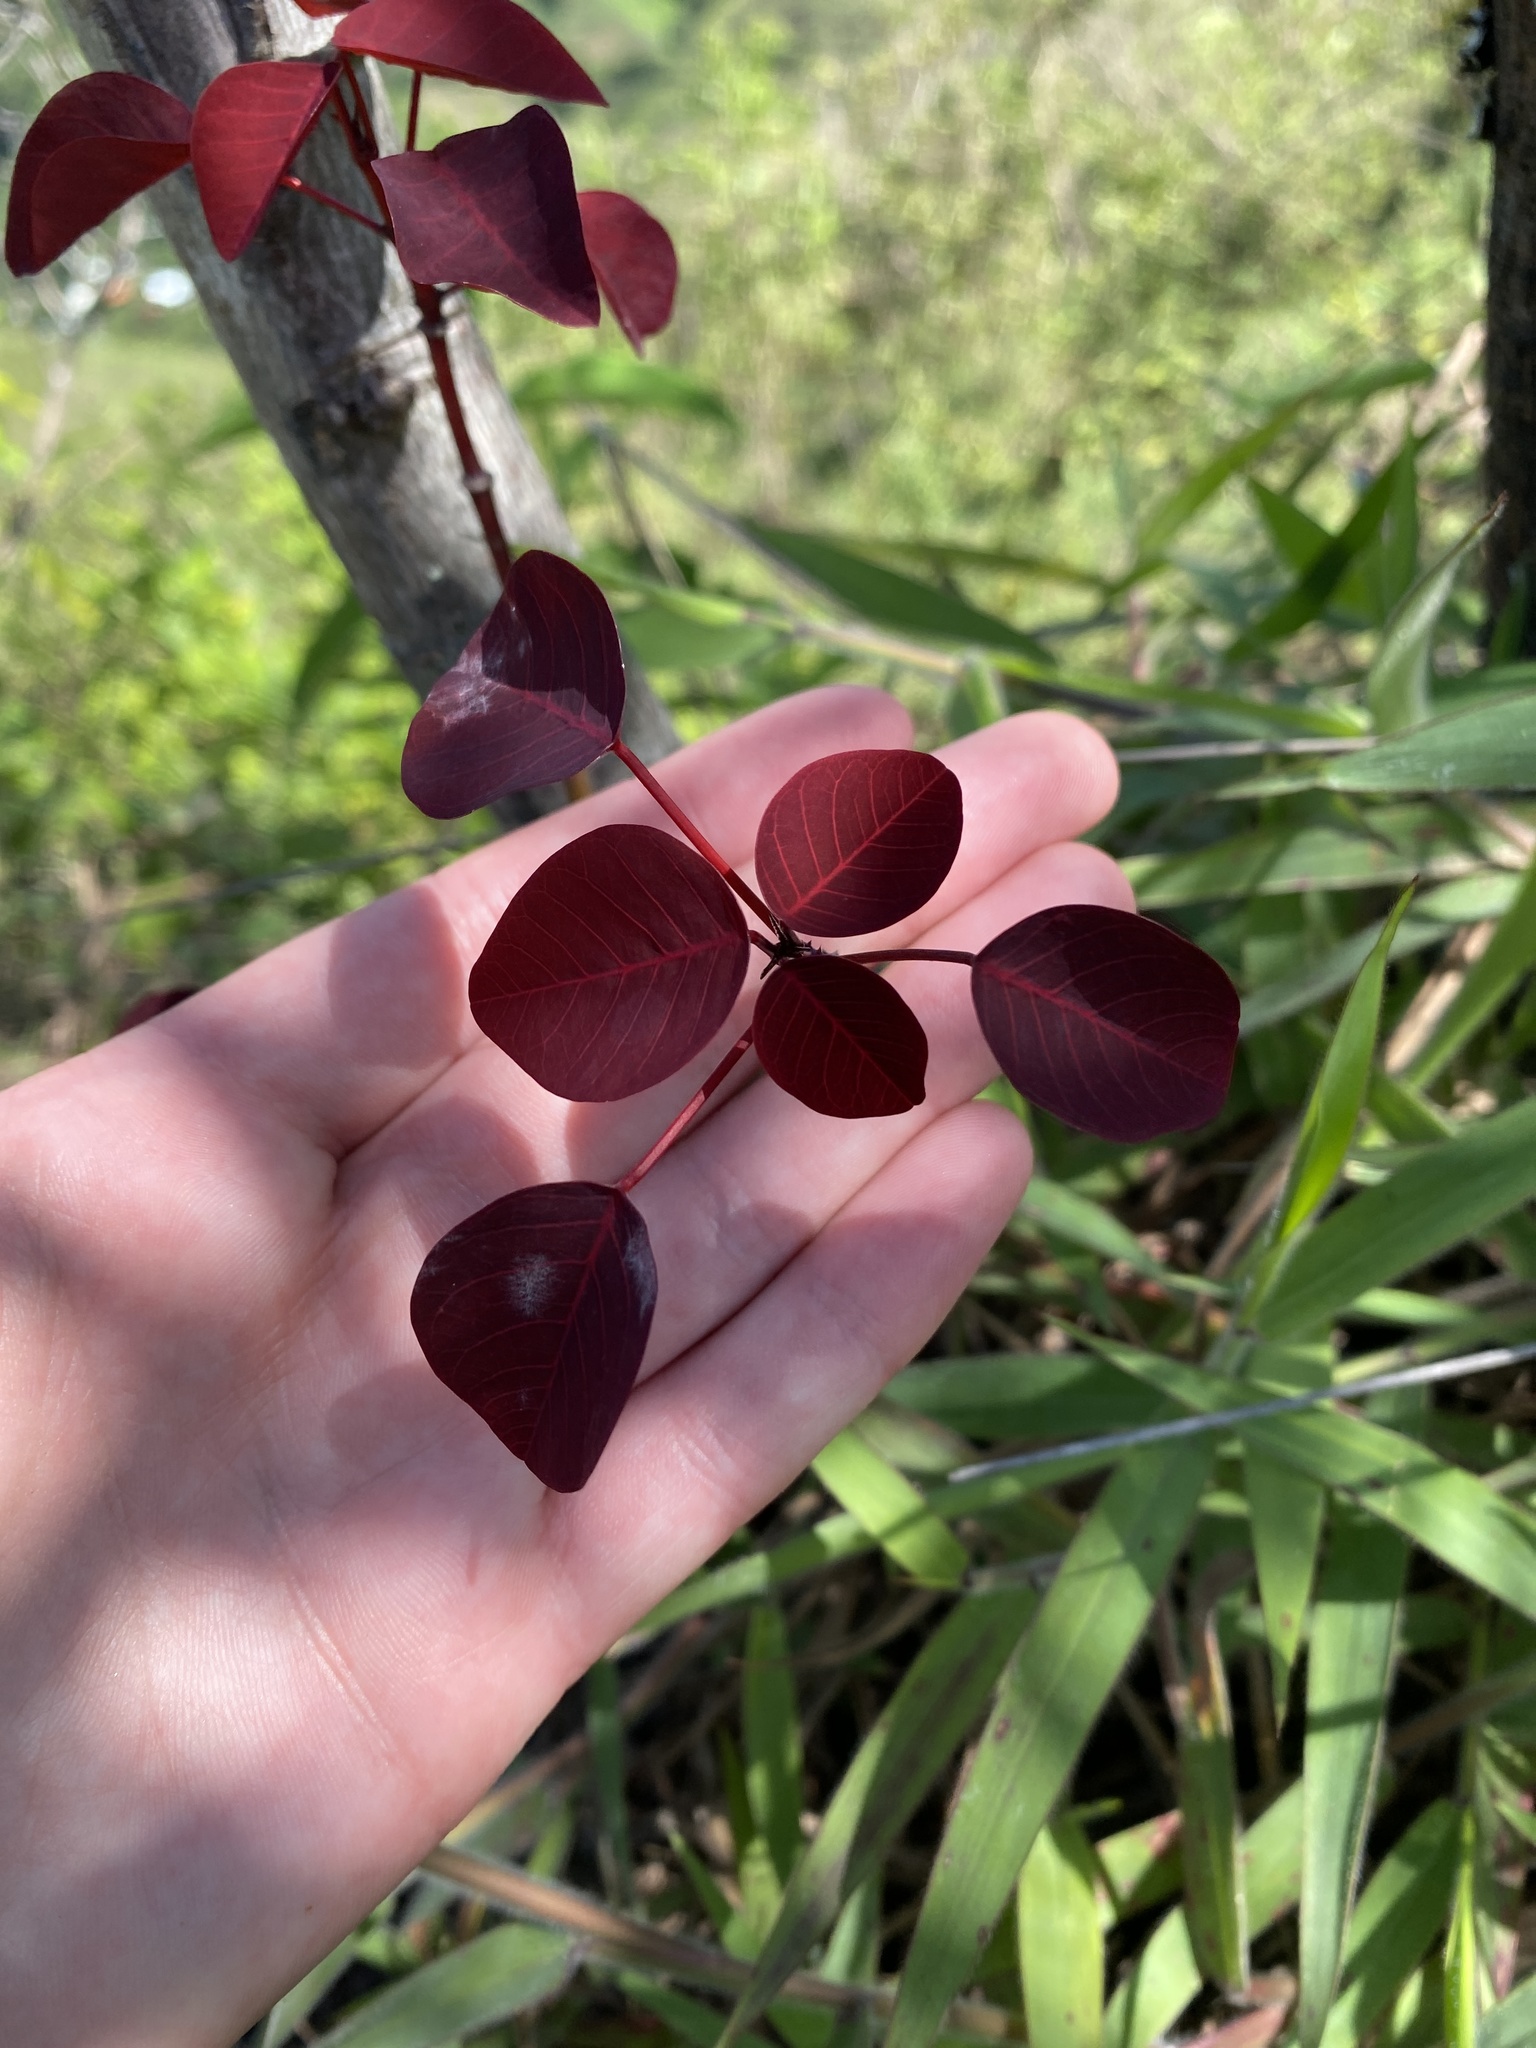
275, 1607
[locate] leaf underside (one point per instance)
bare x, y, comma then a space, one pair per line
1113, 1023
839, 1039
247, 129
857, 840
536, 696
496, 210
480, 42
634, 261
97, 142
616, 962
535, 1311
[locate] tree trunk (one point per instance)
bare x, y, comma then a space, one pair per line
320, 321
1511, 347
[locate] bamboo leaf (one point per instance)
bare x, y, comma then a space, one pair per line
886, 1503
771, 1737
1397, 687
1399, 1913
491, 1979
1047, 1703
1510, 956
1489, 746
923, 1724
1061, 1944
1451, 1192
1349, 1676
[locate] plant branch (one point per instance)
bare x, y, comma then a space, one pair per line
687, 1113
414, 117
477, 479
913, 953
694, 836
296, 184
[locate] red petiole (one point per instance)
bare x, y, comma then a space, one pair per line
913, 953
687, 1113
336, 205
414, 116
695, 837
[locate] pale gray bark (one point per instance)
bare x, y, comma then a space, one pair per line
320, 322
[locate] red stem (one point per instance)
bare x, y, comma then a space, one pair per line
477, 480
912, 953
415, 113
686, 1115
691, 832
337, 205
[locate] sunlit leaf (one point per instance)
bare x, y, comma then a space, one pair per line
481, 42
889, 1506
1398, 1915
248, 127
634, 261
1487, 746
97, 142
1489, 981
1397, 687
1061, 1945
499, 1974
770, 1727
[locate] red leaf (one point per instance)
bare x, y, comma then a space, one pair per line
613, 965
856, 841
535, 1311
635, 262
482, 42
153, 1003
839, 1039
317, 9
496, 209
1111, 1022
535, 697
95, 144
249, 126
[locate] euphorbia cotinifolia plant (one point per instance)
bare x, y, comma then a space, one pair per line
623, 956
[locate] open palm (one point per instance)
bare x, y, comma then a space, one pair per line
275, 1607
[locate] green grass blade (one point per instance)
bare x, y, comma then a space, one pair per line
1338, 1095
1286, 1518
1512, 2022
301, 2001
1397, 687
1214, 1901
1449, 1193
1289, 995
1400, 1912
1462, 1969
770, 1719
1284, 860
1034, 1394
1061, 1944
605, 1734
886, 1503
625, 381
1065, 1213
330, 649
1309, 595
1490, 746
1047, 1703
1490, 980
923, 1723
493, 1978
1349, 1676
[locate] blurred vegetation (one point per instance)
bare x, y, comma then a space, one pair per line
1108, 355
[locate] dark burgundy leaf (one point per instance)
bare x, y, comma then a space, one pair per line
496, 209
613, 965
855, 841
535, 697
318, 9
839, 1039
249, 126
482, 42
1111, 1022
535, 1311
95, 144
153, 1003
635, 262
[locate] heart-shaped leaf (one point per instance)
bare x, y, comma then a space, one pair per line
248, 127
535, 697
482, 42
1113, 1023
535, 1311
855, 841
613, 965
839, 1039
95, 144
496, 209
635, 262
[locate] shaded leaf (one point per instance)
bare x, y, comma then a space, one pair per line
535, 1311
96, 143
1489, 981
1061, 1945
605, 1735
1398, 1915
1349, 1678
887, 1504
507, 1971
1397, 687
1048, 1701
248, 127
1512, 2022
613, 379
536, 696
618, 959
1312, 590
855, 841
1111, 1022
770, 1730
496, 209
1064, 1213
1286, 1516
839, 1039
481, 42
634, 261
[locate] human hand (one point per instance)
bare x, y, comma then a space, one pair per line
275, 1607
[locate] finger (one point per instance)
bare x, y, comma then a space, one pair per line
338, 1030
703, 1446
